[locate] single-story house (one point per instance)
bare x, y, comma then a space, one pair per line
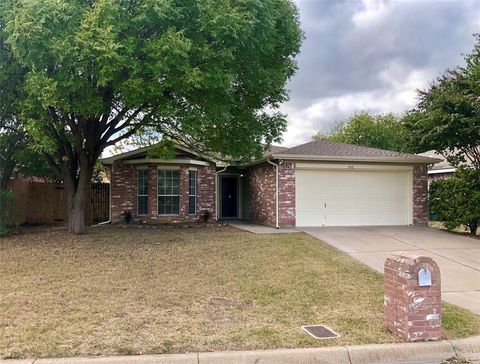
441, 170
320, 183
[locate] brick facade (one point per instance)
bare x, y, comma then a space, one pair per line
412, 312
438, 176
261, 193
124, 193
286, 194
420, 194
262, 185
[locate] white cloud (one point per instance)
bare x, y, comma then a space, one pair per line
398, 97
372, 12
372, 55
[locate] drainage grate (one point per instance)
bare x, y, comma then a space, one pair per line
320, 332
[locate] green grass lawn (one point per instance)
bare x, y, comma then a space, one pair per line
166, 290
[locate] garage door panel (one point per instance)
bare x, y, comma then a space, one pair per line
352, 198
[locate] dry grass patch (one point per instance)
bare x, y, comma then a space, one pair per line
144, 290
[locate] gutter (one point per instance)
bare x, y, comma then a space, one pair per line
444, 170
346, 159
216, 190
276, 191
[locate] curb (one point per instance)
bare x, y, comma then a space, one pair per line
424, 352
467, 348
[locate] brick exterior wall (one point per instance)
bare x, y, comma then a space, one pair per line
124, 193
411, 311
262, 194
420, 194
261, 183
438, 176
286, 194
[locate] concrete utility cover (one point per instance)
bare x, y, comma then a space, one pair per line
457, 256
320, 331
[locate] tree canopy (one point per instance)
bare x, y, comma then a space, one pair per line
209, 74
447, 118
383, 131
456, 200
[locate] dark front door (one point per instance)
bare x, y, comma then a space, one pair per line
229, 196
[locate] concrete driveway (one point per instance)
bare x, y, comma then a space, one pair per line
457, 256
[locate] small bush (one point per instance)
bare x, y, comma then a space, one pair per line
206, 216
456, 200
126, 216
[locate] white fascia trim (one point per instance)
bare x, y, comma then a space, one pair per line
353, 167
352, 159
438, 171
172, 161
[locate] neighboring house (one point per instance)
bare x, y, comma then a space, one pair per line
320, 183
440, 170
19, 176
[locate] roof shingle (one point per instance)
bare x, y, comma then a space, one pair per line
327, 150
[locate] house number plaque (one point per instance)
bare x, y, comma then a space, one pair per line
424, 277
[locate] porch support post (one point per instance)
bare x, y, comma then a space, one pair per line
216, 190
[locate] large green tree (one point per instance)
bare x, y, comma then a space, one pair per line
10, 135
447, 118
14, 148
382, 131
209, 74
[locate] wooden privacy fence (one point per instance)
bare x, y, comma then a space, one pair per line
46, 203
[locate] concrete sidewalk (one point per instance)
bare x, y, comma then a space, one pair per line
262, 229
425, 353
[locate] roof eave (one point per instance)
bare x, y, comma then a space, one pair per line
123, 155
131, 153
327, 158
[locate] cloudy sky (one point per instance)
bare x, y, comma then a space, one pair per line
372, 56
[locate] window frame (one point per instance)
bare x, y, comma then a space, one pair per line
139, 171
177, 172
193, 172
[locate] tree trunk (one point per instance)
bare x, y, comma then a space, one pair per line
5, 175
77, 206
7, 165
78, 191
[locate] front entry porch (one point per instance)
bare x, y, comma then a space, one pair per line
232, 196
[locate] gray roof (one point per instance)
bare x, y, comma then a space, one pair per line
274, 149
138, 151
443, 164
327, 150
321, 150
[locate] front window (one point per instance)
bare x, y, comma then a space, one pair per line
192, 192
142, 192
168, 192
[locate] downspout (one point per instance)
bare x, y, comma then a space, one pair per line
216, 190
276, 191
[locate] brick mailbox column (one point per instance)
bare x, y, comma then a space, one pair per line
412, 297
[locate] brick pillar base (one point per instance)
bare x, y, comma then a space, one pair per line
413, 301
